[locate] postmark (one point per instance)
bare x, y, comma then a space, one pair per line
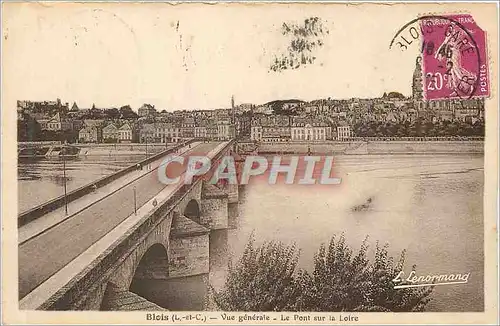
452, 55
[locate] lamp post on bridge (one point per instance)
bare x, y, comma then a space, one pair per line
64, 181
135, 202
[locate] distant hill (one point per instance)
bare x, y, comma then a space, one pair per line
284, 102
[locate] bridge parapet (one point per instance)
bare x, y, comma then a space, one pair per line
80, 291
40, 210
81, 284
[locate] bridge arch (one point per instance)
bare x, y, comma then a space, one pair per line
153, 260
124, 274
152, 267
193, 211
138, 288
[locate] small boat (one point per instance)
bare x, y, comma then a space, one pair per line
32, 152
363, 207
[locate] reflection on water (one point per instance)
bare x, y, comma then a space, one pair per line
218, 249
234, 211
184, 293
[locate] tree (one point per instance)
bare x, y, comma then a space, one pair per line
382, 295
126, 112
478, 128
265, 280
112, 113
337, 282
395, 95
28, 129
342, 281
262, 279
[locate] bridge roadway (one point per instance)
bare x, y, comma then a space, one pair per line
42, 223
47, 252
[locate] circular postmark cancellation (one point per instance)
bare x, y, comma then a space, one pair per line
452, 55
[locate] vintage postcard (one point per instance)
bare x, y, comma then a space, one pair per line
249, 163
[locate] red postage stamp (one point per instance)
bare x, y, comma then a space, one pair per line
455, 62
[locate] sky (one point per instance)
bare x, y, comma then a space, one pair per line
196, 56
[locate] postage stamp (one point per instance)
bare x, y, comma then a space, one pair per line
453, 60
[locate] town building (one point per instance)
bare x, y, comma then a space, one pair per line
284, 129
187, 128
243, 125
110, 133
344, 132
76, 124
212, 131
56, 123
224, 130
147, 133
43, 123
48, 107
443, 115
256, 131
308, 130
167, 133
467, 114
125, 133
90, 134
200, 132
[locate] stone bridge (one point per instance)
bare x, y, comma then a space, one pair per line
137, 264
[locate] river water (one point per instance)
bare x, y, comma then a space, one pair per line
40, 180
431, 205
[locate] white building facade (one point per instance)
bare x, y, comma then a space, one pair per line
344, 132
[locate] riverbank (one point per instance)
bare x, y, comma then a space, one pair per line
374, 147
120, 149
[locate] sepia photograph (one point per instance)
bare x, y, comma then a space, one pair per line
249, 163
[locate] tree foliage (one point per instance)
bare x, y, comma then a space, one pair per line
28, 129
262, 280
278, 107
126, 112
265, 279
418, 128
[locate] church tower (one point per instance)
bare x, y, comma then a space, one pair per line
233, 118
417, 90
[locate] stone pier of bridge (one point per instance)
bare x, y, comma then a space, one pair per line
163, 276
